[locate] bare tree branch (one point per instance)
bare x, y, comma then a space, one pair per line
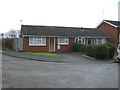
12, 34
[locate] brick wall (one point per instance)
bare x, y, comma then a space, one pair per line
63, 48
111, 31
28, 48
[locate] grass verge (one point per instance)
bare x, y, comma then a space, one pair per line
45, 54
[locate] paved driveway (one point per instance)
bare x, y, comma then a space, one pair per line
23, 73
77, 58
68, 57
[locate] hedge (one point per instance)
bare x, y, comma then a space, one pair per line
98, 51
82, 47
79, 47
112, 50
90, 50
101, 51
75, 46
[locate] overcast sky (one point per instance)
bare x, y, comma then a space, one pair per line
71, 13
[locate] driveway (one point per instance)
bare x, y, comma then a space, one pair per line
68, 57
24, 73
77, 58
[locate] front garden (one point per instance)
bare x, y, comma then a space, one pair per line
97, 51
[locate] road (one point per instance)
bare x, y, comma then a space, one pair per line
23, 73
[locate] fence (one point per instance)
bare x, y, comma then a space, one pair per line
17, 44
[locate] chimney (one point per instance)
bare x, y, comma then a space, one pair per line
119, 11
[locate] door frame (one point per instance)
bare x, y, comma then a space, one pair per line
54, 44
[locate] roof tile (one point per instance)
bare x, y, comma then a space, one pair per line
61, 31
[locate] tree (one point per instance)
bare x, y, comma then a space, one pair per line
12, 34
18, 33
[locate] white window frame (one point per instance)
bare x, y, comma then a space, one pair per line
79, 38
37, 44
63, 43
103, 40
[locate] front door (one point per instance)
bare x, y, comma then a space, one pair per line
52, 44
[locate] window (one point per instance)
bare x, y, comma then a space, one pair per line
95, 41
89, 41
101, 41
34, 41
81, 40
63, 40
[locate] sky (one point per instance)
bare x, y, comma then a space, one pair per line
119, 11
69, 13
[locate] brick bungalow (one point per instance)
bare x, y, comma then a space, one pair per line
112, 28
58, 39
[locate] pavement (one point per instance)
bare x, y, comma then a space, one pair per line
24, 73
68, 57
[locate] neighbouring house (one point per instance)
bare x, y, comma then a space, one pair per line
58, 39
112, 28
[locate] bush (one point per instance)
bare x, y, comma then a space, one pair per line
101, 51
79, 47
75, 46
82, 47
90, 50
111, 50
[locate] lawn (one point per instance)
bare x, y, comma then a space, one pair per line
45, 54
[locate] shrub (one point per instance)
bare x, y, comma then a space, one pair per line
101, 51
90, 50
79, 47
75, 46
82, 47
111, 50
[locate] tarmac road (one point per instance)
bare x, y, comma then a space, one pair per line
23, 73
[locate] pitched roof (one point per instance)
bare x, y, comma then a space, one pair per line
61, 31
113, 23
116, 23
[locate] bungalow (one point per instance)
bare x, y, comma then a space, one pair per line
112, 28
58, 39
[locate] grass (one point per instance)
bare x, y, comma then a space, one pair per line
6, 49
45, 54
